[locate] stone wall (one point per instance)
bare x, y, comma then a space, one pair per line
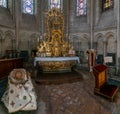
21, 32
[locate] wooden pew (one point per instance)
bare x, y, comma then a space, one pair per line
7, 65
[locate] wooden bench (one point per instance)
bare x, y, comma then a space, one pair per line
7, 65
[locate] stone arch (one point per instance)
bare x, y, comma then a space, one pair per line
85, 42
85, 45
109, 34
76, 42
9, 41
9, 34
110, 42
100, 43
81, 37
97, 36
100, 46
86, 37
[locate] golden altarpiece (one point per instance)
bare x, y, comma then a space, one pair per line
55, 52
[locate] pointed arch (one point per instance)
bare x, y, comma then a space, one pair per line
108, 35
86, 36
99, 35
110, 42
9, 34
100, 43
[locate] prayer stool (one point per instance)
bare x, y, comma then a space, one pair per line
101, 84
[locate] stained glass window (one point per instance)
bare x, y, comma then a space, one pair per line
3, 3
55, 3
28, 6
81, 7
107, 4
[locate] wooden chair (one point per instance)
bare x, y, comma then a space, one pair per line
101, 83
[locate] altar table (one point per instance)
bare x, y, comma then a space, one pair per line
55, 64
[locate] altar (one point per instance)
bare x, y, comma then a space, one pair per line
55, 53
56, 64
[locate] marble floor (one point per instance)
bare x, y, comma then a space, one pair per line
72, 98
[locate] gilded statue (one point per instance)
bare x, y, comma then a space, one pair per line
56, 49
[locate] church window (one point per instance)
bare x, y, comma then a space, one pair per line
107, 4
81, 7
4, 3
56, 3
28, 6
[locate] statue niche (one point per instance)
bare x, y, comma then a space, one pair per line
55, 44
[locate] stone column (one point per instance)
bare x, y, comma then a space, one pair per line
1, 47
17, 14
91, 25
117, 6
67, 32
97, 11
42, 18
95, 45
89, 44
79, 46
13, 41
17, 22
104, 48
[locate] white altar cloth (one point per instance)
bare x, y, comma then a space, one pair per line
55, 59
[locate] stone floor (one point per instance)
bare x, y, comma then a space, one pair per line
72, 98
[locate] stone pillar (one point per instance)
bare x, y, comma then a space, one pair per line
97, 11
17, 22
104, 48
79, 46
89, 44
91, 25
13, 44
95, 45
117, 5
1, 47
67, 24
2, 41
42, 18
